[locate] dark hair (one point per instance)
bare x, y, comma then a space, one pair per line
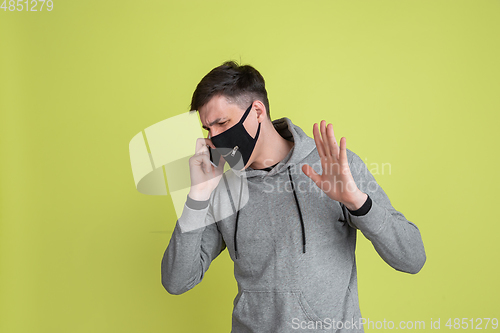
239, 84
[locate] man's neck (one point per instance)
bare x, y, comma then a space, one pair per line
274, 149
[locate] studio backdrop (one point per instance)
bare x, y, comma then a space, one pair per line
413, 86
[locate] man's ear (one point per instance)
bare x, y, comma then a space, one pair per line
260, 108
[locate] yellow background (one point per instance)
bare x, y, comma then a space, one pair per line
412, 83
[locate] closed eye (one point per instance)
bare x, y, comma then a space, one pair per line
217, 122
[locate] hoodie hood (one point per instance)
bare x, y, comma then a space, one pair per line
303, 146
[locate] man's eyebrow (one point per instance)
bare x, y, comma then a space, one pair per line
214, 122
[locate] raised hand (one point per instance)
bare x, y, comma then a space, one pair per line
336, 179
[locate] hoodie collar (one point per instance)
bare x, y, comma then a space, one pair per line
303, 146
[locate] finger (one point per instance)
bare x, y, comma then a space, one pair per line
203, 142
202, 145
318, 141
202, 162
324, 138
209, 143
343, 151
207, 166
202, 158
332, 141
309, 172
203, 150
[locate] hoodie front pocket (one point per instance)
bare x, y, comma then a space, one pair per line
273, 311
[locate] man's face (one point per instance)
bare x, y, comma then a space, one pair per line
218, 115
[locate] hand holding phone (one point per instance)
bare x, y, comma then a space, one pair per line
205, 169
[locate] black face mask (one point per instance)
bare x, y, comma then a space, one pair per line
235, 144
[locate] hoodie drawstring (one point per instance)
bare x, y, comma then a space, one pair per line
300, 213
236, 224
298, 207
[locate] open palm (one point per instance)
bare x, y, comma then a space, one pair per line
336, 179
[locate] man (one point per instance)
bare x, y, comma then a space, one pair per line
288, 211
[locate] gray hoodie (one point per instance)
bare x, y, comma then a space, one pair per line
295, 264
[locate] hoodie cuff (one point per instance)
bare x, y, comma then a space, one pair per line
196, 204
192, 219
365, 208
372, 222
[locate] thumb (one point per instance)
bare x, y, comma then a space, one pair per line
309, 172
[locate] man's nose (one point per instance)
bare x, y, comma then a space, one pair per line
215, 131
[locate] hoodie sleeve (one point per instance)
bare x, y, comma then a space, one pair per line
195, 242
396, 240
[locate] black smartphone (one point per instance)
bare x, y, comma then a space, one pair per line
214, 156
